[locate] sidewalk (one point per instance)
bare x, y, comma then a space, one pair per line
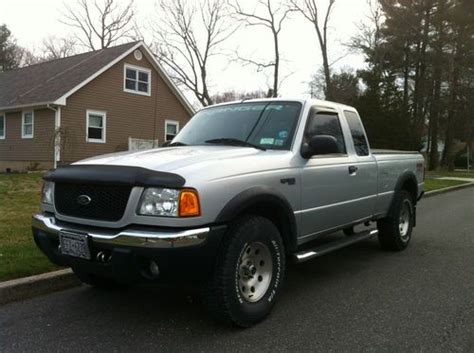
469, 180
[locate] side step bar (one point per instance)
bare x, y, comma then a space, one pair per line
332, 246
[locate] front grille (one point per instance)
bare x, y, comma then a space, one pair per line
106, 202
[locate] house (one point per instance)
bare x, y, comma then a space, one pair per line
64, 110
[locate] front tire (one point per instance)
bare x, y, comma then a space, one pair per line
249, 272
395, 230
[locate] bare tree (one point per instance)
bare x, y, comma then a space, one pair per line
29, 56
56, 48
100, 23
187, 36
232, 95
309, 9
272, 17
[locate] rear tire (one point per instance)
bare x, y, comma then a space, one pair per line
249, 272
395, 230
96, 281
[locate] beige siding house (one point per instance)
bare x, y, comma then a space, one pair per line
68, 109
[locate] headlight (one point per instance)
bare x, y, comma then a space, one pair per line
169, 203
47, 192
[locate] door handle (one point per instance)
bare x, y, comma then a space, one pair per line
353, 169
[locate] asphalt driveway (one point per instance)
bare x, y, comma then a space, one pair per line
358, 299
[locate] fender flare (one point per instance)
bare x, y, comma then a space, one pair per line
262, 195
406, 177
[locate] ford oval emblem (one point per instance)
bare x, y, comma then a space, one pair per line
83, 200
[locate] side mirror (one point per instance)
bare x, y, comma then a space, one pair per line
319, 145
166, 143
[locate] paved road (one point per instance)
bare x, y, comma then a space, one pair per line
358, 299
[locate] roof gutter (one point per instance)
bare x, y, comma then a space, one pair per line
57, 134
29, 105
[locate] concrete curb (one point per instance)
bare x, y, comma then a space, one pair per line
27, 287
445, 190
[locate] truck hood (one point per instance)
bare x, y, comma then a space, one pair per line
201, 162
171, 159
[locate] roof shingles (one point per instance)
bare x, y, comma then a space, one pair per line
48, 81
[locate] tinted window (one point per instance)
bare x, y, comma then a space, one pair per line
357, 131
323, 123
268, 124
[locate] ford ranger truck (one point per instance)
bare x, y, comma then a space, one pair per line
242, 189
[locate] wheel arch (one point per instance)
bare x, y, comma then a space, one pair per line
266, 202
407, 182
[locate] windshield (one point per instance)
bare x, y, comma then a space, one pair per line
270, 125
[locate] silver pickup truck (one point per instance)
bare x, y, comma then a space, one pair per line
242, 189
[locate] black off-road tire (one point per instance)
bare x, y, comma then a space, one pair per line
97, 281
224, 294
392, 234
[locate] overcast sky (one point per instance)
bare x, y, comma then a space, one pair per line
32, 20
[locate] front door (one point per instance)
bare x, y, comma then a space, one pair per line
327, 180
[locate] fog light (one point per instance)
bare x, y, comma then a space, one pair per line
154, 269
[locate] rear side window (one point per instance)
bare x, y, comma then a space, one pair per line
324, 123
357, 131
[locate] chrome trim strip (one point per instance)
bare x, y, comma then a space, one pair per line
335, 204
344, 202
128, 237
385, 193
302, 239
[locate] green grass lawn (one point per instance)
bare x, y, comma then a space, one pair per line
435, 184
19, 199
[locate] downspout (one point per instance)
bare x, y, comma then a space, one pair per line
57, 136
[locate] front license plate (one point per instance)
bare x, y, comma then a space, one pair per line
75, 244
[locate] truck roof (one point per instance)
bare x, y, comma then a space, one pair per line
310, 101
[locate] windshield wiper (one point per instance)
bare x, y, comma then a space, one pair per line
177, 143
234, 142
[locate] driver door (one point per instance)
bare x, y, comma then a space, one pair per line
326, 179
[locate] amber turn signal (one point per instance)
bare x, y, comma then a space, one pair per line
189, 203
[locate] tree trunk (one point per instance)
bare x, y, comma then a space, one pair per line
448, 152
435, 102
406, 72
327, 73
434, 118
277, 65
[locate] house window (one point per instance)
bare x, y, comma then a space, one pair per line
2, 126
27, 125
171, 129
137, 80
96, 125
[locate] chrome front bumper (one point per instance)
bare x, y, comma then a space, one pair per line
127, 237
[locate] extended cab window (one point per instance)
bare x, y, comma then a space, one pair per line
358, 135
325, 123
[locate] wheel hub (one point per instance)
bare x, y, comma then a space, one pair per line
255, 271
404, 220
